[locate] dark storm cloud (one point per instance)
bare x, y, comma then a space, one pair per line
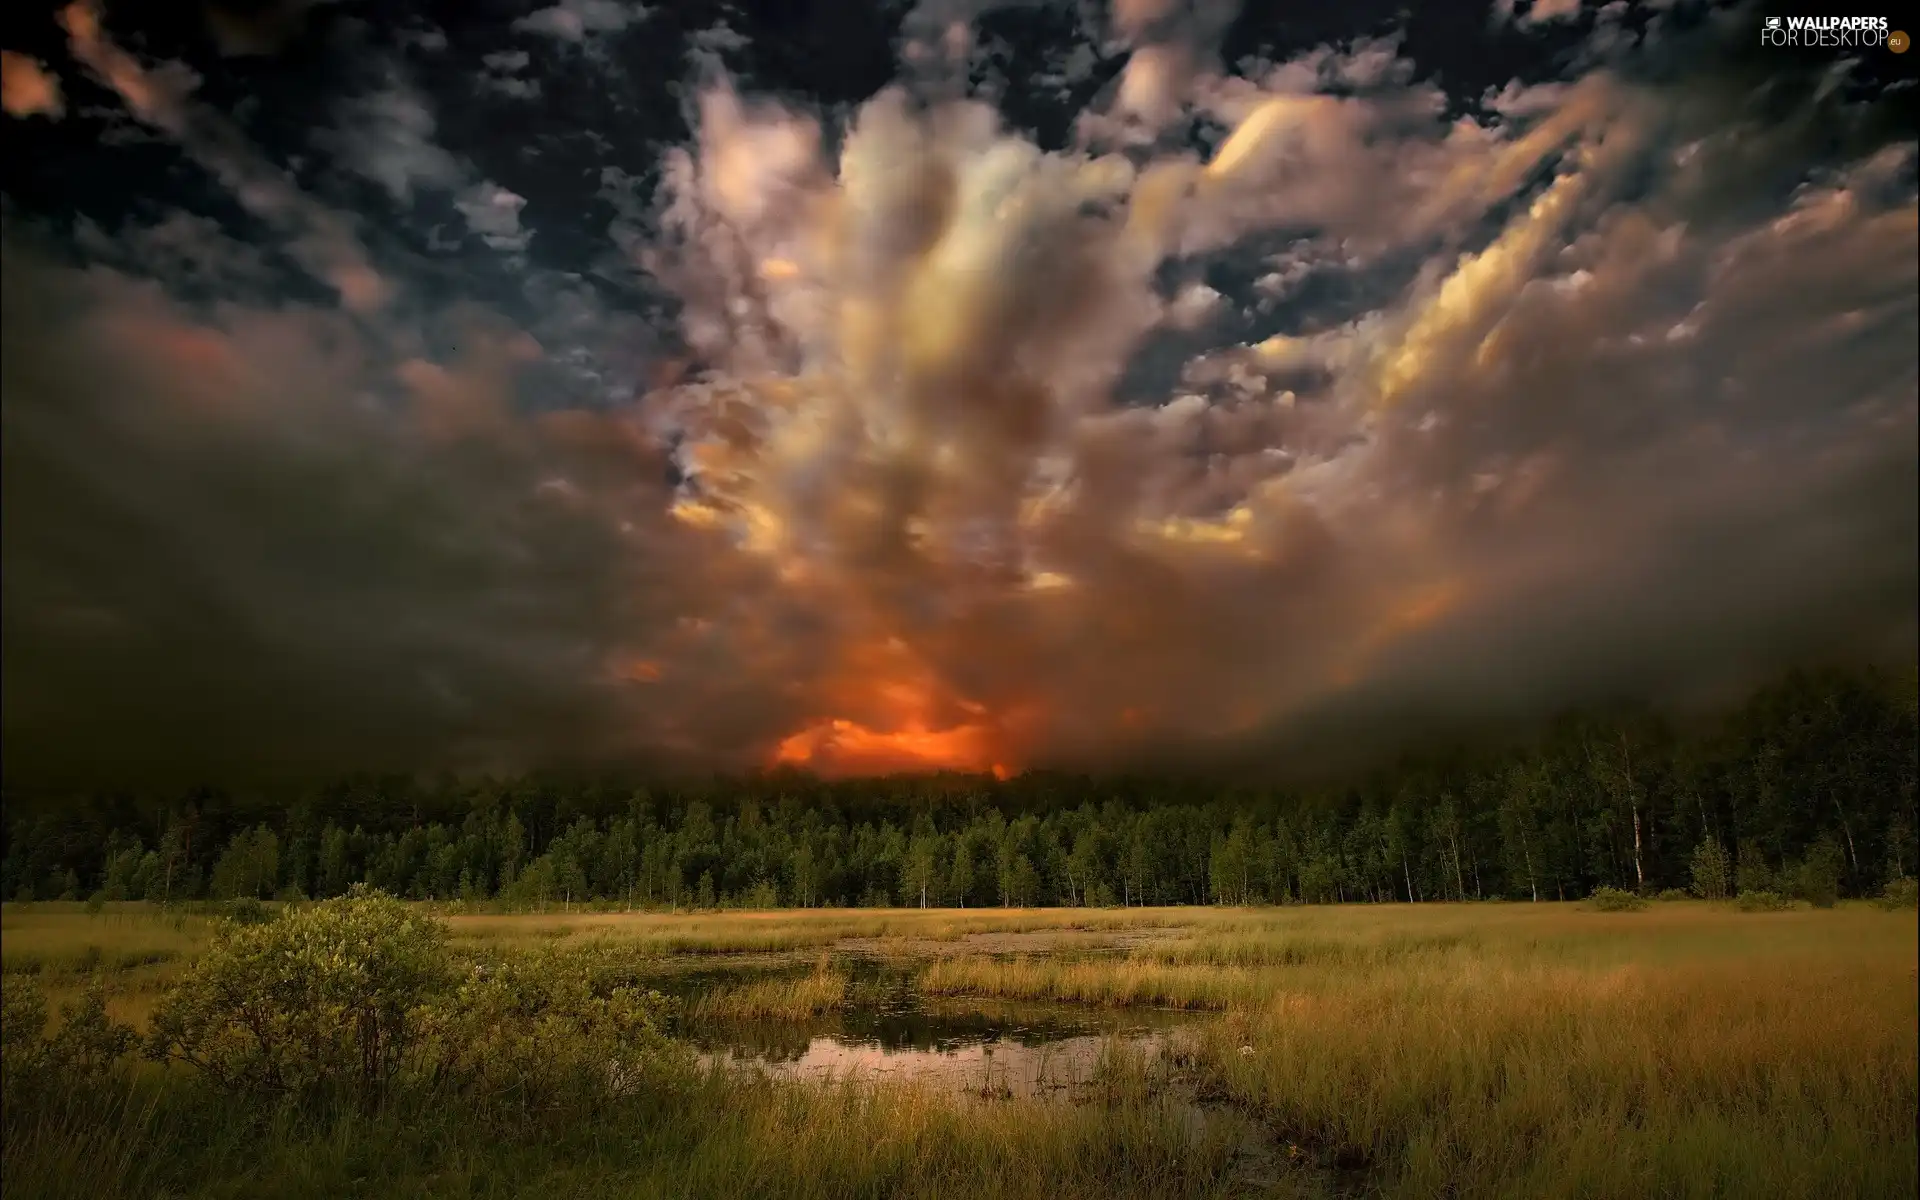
964, 453
230, 540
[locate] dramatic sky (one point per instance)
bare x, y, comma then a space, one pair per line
956, 383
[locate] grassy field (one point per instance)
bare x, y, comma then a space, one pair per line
1686, 1050
822, 990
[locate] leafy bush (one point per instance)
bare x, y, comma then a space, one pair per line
536, 1028
23, 1024
356, 997
1899, 894
316, 1001
1762, 902
88, 1045
90, 1042
1817, 879
1711, 870
1751, 872
1610, 899
248, 911
1672, 894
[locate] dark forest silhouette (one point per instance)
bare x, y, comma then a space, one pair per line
1813, 774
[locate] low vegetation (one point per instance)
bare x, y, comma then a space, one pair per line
1786, 1078
50, 940
1091, 982
1610, 899
822, 991
1901, 893
367, 1047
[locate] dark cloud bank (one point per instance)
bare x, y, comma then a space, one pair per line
1618, 400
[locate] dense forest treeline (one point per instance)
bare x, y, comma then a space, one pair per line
1813, 773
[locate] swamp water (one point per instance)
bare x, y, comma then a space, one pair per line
985, 1049
979, 1047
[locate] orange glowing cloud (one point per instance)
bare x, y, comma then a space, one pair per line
840, 747
1420, 609
891, 714
27, 88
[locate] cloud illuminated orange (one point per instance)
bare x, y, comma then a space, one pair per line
887, 712
936, 466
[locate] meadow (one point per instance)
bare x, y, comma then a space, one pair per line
1687, 1049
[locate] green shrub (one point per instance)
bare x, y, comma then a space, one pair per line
1672, 894
88, 1045
1762, 902
1610, 899
247, 910
316, 1001
1711, 870
1751, 872
90, 1042
1899, 894
1817, 879
359, 997
23, 1024
538, 1028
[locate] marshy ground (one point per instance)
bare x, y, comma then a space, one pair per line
1687, 1049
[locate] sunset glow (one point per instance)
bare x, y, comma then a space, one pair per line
907, 429
890, 712
791, 583
838, 747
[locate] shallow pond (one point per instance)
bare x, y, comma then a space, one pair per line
981, 1048
992, 1050
986, 1048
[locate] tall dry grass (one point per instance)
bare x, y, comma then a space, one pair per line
137, 948
53, 940
720, 1135
822, 990
1498, 1050
1789, 1077
796, 929
1688, 1050
1120, 983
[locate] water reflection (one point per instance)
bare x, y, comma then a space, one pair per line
978, 1048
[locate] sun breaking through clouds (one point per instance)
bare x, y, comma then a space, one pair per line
1277, 394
